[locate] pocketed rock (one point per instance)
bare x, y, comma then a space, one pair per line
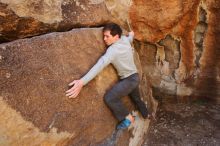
185, 35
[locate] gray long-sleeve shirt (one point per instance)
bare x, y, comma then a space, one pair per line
120, 54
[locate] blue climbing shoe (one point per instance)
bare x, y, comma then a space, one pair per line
124, 124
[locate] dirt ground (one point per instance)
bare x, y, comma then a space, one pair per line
194, 123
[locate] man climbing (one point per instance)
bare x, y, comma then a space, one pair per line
120, 54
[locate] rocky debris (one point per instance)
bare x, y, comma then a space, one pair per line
181, 124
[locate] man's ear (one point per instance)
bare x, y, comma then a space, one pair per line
117, 36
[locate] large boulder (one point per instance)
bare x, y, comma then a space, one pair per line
26, 18
34, 74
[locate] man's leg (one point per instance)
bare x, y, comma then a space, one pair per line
122, 88
135, 96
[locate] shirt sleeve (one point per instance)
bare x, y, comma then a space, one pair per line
98, 67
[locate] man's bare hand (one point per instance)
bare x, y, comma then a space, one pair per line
131, 33
76, 88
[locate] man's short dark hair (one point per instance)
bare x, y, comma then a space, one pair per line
113, 28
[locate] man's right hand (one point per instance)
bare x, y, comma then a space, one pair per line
76, 88
131, 33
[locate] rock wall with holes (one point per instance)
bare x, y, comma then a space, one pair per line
178, 43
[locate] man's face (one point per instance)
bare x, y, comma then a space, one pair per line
109, 39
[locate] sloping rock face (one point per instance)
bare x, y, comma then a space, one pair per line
178, 45
34, 74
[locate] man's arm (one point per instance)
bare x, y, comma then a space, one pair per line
78, 84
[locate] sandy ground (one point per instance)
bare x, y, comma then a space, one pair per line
185, 124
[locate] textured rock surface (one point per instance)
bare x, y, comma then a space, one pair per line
167, 23
153, 20
208, 83
34, 74
178, 45
24, 18
14, 130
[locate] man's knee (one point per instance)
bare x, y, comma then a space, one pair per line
109, 97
